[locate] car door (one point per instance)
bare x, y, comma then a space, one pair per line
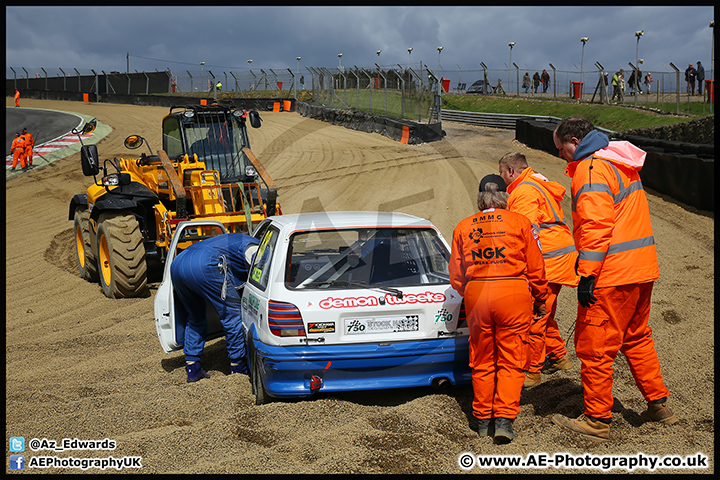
170, 334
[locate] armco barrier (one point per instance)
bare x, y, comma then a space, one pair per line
399, 130
683, 171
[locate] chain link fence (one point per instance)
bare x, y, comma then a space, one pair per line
404, 93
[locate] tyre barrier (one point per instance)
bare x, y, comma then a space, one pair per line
680, 170
402, 131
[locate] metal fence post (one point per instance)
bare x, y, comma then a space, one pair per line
27, 78
294, 87
385, 81
370, 87
64, 79
237, 89
214, 85
677, 87
357, 87
554, 81
402, 93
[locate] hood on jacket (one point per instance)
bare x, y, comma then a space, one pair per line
620, 152
555, 189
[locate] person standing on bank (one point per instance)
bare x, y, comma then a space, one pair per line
536, 81
533, 195
526, 82
617, 265
545, 79
17, 98
496, 264
212, 270
690, 75
700, 74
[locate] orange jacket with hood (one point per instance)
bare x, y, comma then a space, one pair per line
533, 195
611, 217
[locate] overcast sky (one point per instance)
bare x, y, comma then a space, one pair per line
179, 38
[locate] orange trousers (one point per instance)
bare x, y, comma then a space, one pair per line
18, 155
499, 312
545, 339
618, 321
28, 155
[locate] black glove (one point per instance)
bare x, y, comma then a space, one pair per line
585, 291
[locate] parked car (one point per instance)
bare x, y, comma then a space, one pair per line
477, 87
343, 301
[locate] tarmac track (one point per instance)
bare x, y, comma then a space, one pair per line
44, 125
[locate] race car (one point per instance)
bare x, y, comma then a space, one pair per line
345, 301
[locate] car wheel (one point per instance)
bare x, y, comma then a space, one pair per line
258, 389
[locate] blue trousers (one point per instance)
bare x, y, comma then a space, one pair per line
196, 279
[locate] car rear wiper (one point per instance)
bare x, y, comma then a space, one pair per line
353, 283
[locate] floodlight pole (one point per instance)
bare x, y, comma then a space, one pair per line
638, 34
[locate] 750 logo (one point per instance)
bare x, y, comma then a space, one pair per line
443, 316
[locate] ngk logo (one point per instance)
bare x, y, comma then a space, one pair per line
488, 253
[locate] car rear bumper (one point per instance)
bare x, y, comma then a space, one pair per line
287, 372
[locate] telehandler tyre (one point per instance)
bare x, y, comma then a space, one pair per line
87, 262
121, 256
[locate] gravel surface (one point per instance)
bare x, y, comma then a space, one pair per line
79, 365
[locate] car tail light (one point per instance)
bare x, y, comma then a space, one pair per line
284, 320
462, 316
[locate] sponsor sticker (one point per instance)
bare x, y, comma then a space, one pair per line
321, 327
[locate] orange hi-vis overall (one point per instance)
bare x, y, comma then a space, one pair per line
533, 195
18, 151
615, 243
29, 144
496, 264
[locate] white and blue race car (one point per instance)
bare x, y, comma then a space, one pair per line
342, 301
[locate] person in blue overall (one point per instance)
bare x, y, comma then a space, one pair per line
212, 270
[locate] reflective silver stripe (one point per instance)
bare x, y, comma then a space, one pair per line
559, 251
591, 187
622, 194
591, 256
536, 186
549, 225
633, 187
616, 248
631, 245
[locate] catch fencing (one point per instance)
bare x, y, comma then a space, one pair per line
404, 93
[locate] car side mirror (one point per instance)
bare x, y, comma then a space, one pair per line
254, 118
89, 160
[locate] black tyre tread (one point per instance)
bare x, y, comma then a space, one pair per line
90, 271
127, 253
261, 395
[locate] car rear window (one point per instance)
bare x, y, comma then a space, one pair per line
359, 257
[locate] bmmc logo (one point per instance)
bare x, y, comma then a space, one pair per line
488, 253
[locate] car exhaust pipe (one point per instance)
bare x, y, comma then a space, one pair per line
440, 383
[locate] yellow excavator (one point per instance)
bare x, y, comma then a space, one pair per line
125, 221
